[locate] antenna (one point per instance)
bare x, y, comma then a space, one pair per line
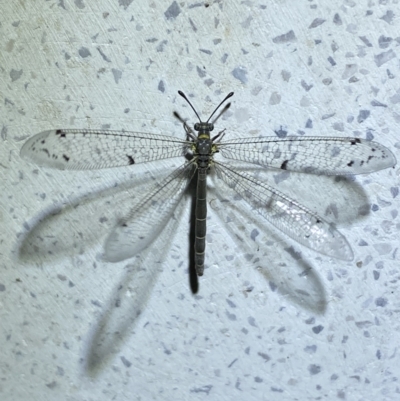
190, 104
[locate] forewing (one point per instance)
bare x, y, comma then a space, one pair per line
147, 220
316, 155
76, 149
287, 215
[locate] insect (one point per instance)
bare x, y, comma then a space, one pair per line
80, 149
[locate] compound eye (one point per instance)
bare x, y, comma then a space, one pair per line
211, 126
197, 127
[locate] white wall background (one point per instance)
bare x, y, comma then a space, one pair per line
302, 326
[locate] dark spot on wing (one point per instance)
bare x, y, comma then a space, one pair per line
43, 141
318, 221
284, 165
369, 158
355, 141
66, 158
350, 163
46, 151
61, 133
130, 159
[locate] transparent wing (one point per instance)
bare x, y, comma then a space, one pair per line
316, 155
287, 215
76, 149
146, 221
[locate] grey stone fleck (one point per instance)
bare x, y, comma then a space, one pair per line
366, 41
384, 41
252, 321
276, 389
337, 20
334, 377
383, 248
126, 362
208, 82
273, 287
67, 56
389, 74
317, 329
375, 103
309, 123
369, 136
254, 233
52, 385
285, 38
161, 86
331, 61
224, 57
349, 70
117, 75
362, 243
376, 274
151, 40
316, 22
96, 303
374, 207
125, 3
231, 364
327, 81
192, 24
381, 301
394, 191
275, 98
201, 73
160, 47
264, 356
281, 177
103, 55
306, 86
363, 115
258, 379
388, 17
60, 371
15, 74
286, 75
311, 320
384, 57
246, 23
3, 133
205, 389
334, 46
206, 51
240, 74
231, 316
338, 126
84, 52
173, 11
363, 324
395, 98
217, 41
327, 116
79, 4
314, 369
310, 349
2, 287
230, 303
378, 354
352, 28
281, 132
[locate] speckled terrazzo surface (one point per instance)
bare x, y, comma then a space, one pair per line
272, 319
